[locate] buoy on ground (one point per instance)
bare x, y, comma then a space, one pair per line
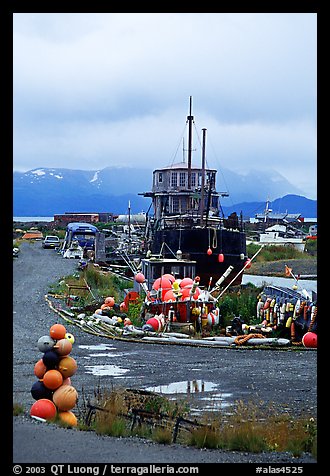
310, 340
43, 408
68, 417
154, 323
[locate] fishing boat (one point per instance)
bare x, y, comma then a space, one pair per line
188, 222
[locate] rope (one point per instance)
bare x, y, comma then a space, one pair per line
239, 340
215, 239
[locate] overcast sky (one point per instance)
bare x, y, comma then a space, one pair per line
93, 90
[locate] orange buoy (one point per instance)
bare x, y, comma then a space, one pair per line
63, 346
43, 408
109, 301
65, 397
68, 417
67, 366
52, 379
40, 369
57, 331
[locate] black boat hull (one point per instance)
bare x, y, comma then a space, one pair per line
195, 243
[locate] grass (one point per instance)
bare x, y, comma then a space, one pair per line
251, 427
276, 253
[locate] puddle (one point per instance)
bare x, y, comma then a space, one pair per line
97, 347
192, 386
106, 369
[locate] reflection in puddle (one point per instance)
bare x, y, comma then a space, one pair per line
211, 402
107, 369
192, 386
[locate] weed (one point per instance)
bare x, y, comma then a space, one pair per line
18, 409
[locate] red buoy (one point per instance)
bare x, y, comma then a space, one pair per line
247, 264
310, 340
43, 408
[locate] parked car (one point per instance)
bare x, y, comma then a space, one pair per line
51, 242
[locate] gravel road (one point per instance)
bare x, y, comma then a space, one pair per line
215, 377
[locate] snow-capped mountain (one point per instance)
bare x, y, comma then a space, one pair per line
47, 191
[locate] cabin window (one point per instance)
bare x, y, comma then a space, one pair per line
174, 179
182, 179
175, 205
160, 177
193, 179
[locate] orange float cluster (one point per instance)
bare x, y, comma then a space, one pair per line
109, 304
169, 299
53, 391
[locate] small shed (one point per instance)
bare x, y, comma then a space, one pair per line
32, 235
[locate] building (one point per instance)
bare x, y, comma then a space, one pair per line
86, 217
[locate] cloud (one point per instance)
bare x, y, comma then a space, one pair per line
95, 89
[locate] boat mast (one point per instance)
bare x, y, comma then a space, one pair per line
190, 119
203, 177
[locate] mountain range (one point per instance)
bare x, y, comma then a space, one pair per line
49, 191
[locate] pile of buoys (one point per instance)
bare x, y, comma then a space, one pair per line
296, 314
53, 391
110, 312
167, 288
171, 299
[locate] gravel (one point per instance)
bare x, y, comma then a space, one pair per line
285, 379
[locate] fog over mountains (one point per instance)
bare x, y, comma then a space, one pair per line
48, 191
